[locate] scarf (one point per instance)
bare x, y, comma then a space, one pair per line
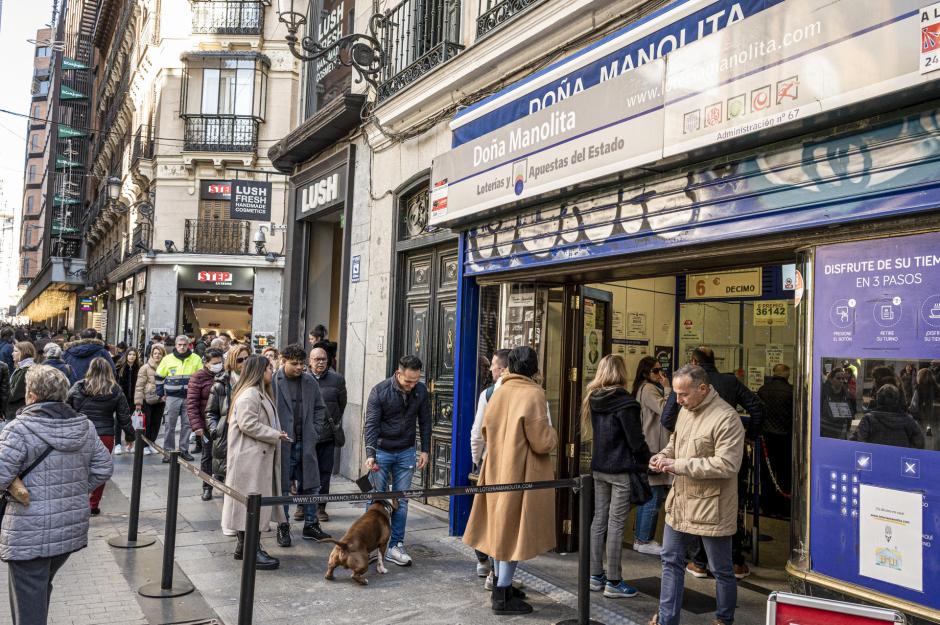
26, 362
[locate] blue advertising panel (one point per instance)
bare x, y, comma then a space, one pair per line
875, 489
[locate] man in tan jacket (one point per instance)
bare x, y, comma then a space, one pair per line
704, 453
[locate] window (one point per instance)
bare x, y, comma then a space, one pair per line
43, 88
30, 200
326, 79
43, 51
220, 85
37, 112
34, 142
31, 174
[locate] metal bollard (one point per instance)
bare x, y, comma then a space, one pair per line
132, 540
586, 513
165, 588
246, 595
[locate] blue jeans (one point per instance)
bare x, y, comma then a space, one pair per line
395, 470
647, 516
719, 559
297, 473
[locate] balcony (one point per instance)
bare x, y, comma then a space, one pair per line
143, 145
220, 133
228, 17
217, 236
496, 13
422, 34
141, 238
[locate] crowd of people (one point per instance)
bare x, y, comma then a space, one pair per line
271, 423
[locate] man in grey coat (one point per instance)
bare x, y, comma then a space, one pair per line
302, 413
37, 539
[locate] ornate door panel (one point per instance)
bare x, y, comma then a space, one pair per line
429, 329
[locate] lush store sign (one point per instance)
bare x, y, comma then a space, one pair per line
773, 66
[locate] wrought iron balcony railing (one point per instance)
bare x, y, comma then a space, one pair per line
143, 144
421, 35
221, 133
141, 239
228, 17
495, 13
217, 236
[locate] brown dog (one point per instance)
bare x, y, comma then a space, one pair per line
369, 532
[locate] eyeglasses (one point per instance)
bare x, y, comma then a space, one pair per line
241, 359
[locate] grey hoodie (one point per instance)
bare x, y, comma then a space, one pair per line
56, 520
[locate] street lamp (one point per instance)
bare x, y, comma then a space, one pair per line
363, 52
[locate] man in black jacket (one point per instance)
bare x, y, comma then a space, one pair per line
777, 432
301, 411
395, 406
333, 390
733, 391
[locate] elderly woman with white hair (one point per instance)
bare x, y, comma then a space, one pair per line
60, 459
52, 356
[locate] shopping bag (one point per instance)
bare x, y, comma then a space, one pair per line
138, 420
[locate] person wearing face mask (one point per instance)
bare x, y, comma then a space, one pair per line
217, 408
197, 398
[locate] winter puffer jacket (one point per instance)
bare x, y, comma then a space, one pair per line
56, 520
79, 354
619, 445
197, 397
898, 429
217, 408
145, 391
18, 389
333, 391
393, 415
101, 409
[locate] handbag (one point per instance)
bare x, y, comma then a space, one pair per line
339, 436
640, 490
17, 489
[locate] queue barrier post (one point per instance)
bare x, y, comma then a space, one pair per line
246, 595
164, 589
585, 515
132, 540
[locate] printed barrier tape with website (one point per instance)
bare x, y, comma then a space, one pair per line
788, 62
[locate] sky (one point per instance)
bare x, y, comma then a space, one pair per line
19, 22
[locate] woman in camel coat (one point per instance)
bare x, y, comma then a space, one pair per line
254, 449
519, 437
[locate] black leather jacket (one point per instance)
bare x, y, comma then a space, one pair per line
217, 407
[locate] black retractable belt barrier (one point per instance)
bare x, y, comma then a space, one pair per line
132, 540
164, 588
253, 503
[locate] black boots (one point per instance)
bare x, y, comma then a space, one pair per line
506, 602
206, 492
313, 531
264, 561
283, 535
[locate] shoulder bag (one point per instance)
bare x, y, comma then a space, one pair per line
17, 489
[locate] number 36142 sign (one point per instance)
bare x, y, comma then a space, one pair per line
773, 312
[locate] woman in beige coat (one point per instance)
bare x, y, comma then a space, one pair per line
145, 394
519, 437
254, 448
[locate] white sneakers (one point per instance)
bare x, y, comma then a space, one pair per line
484, 569
118, 450
147, 451
398, 555
651, 548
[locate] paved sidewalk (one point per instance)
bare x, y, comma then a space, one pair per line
98, 585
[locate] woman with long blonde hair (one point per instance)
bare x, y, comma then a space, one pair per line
254, 453
99, 397
618, 450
